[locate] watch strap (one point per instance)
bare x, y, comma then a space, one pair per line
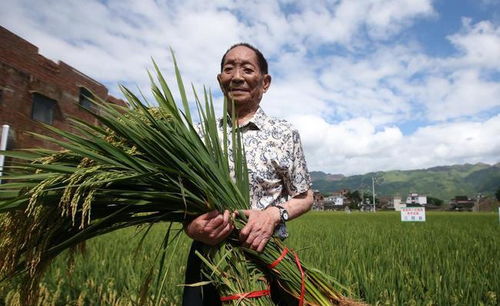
283, 213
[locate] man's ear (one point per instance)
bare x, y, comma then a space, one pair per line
220, 83
267, 82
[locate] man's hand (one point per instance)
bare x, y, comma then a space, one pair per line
210, 228
259, 228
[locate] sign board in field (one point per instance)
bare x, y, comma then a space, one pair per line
415, 214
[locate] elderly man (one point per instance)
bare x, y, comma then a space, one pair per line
279, 181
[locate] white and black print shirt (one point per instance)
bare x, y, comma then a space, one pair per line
276, 164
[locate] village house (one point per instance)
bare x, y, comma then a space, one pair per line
385, 202
337, 200
462, 203
334, 202
397, 204
414, 199
318, 201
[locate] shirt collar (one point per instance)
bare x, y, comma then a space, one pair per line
257, 121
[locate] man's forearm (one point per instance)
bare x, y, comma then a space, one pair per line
299, 205
296, 206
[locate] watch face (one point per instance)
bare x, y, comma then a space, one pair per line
285, 215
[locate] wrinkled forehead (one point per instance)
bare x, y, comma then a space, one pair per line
241, 55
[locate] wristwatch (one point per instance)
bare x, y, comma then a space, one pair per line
283, 213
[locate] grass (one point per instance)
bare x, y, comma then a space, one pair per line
452, 259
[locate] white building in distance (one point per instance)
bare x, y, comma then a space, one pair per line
396, 203
414, 199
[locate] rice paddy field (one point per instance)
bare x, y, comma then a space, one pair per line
451, 259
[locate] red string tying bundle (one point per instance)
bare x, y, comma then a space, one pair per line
278, 260
256, 294
302, 275
302, 283
248, 295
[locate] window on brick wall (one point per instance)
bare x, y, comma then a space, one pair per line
43, 108
86, 98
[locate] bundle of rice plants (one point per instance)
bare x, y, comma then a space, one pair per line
142, 165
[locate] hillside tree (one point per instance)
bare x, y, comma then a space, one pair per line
354, 198
434, 201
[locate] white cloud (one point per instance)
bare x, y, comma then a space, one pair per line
336, 73
454, 143
345, 22
339, 147
479, 44
460, 94
388, 17
356, 146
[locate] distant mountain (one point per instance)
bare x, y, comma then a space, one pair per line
443, 182
318, 176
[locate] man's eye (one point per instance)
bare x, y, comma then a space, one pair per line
228, 69
248, 70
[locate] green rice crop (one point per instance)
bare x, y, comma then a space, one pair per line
452, 259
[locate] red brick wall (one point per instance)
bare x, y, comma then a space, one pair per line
22, 72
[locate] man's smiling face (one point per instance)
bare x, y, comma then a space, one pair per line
241, 78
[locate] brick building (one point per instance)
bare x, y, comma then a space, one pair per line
462, 203
318, 200
34, 89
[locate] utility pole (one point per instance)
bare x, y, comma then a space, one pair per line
373, 193
476, 204
362, 200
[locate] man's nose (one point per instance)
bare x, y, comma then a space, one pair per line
238, 76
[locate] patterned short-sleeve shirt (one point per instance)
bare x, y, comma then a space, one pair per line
276, 163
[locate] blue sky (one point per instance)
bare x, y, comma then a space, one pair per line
432, 32
370, 85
